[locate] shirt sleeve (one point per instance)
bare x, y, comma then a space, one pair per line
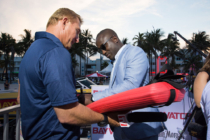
58, 76
205, 106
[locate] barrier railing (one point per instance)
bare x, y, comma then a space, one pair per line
5, 111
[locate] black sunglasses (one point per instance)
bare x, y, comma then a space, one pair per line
103, 47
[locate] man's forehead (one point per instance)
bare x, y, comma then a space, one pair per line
102, 37
98, 43
77, 22
99, 40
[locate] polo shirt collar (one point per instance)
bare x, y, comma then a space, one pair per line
40, 35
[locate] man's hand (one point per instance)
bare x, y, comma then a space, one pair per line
113, 117
81, 99
85, 99
88, 99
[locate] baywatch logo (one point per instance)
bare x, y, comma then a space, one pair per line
94, 91
177, 115
101, 130
169, 134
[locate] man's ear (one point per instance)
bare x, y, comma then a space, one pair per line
115, 39
64, 22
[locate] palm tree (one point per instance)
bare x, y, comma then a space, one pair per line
171, 50
192, 62
24, 43
77, 49
85, 46
125, 41
183, 54
74, 62
104, 65
92, 49
87, 36
201, 41
7, 44
138, 39
153, 43
156, 42
148, 48
143, 40
88, 44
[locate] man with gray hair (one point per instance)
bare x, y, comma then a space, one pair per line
49, 105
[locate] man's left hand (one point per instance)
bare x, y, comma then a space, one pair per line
88, 99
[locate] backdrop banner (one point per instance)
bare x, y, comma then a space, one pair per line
100, 133
176, 114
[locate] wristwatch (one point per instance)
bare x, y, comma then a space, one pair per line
92, 99
104, 122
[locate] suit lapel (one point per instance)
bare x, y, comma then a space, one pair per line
117, 65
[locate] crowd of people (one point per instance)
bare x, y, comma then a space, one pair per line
49, 105
98, 80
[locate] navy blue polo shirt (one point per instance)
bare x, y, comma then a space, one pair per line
46, 81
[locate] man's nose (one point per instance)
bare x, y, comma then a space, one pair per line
77, 40
103, 52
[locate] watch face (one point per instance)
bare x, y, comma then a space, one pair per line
102, 124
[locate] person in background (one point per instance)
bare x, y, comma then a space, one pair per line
101, 82
201, 91
6, 85
200, 81
18, 97
130, 70
48, 100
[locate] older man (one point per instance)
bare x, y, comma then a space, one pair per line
130, 70
49, 105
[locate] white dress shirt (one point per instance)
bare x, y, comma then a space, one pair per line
116, 56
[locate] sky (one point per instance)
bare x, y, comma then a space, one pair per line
126, 17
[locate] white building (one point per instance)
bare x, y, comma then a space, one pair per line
88, 66
17, 61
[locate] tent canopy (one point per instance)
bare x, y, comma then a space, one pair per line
108, 69
96, 74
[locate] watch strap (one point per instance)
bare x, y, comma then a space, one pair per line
106, 119
104, 122
92, 99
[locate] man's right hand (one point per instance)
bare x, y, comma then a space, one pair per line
113, 122
113, 117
